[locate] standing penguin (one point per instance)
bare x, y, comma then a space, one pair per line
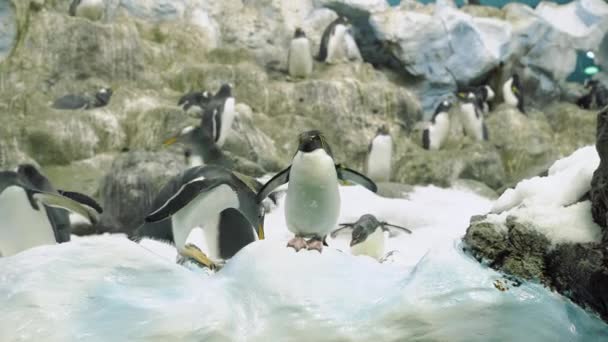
436, 134
221, 202
194, 101
368, 235
299, 58
91, 9
484, 94
220, 112
32, 211
335, 45
379, 156
512, 93
471, 117
313, 199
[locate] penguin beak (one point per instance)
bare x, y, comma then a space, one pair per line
170, 141
261, 231
357, 240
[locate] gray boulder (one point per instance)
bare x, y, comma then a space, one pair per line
8, 28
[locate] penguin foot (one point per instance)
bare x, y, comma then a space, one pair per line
297, 243
194, 253
315, 244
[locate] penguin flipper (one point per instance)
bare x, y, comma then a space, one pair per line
384, 225
343, 226
276, 181
181, 198
63, 202
426, 139
347, 174
82, 199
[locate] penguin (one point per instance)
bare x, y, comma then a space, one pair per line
471, 117
484, 95
194, 101
368, 235
299, 58
436, 134
380, 151
334, 46
313, 199
33, 213
221, 202
76, 101
512, 93
597, 97
220, 114
91, 9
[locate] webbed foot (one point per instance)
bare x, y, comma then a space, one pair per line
297, 243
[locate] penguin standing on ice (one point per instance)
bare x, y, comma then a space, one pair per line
31, 211
471, 117
379, 156
220, 114
512, 93
299, 58
221, 202
91, 9
337, 43
368, 235
313, 199
436, 134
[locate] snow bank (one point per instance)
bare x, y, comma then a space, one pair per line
106, 288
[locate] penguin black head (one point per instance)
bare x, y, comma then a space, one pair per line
364, 227
444, 107
312, 140
382, 130
342, 20
466, 96
299, 33
103, 96
225, 91
30, 174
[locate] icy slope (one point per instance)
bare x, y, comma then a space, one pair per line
107, 288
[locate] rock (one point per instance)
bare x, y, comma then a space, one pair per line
572, 126
8, 29
599, 183
130, 186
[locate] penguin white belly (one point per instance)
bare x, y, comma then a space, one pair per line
438, 133
228, 115
373, 246
313, 200
508, 95
336, 46
352, 50
204, 212
300, 58
472, 124
91, 9
21, 226
379, 160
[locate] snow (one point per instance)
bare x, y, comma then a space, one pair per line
105, 288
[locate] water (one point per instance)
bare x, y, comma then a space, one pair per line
108, 288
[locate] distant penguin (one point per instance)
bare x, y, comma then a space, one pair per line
31, 211
313, 199
194, 101
91, 9
220, 114
380, 152
220, 202
484, 94
596, 98
512, 93
76, 101
368, 236
299, 59
335, 44
471, 117
436, 134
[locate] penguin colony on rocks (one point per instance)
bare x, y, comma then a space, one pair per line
229, 207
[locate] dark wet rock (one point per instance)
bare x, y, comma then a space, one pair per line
599, 183
130, 186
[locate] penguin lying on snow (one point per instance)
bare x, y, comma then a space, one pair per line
380, 151
33, 213
337, 43
368, 235
597, 97
512, 93
313, 199
299, 58
74, 101
471, 117
194, 101
436, 134
221, 202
